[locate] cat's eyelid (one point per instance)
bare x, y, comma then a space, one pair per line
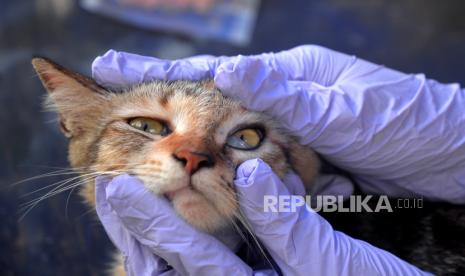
125, 126
259, 129
258, 126
162, 121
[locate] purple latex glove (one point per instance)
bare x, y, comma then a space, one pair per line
146, 229
398, 134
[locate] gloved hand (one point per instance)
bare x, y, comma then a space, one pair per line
351, 112
147, 231
398, 134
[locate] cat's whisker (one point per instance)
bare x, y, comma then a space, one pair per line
233, 202
45, 187
30, 206
49, 174
52, 191
236, 227
75, 170
58, 183
82, 179
242, 219
236, 198
91, 210
83, 176
67, 202
239, 216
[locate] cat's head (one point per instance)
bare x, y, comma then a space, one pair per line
183, 139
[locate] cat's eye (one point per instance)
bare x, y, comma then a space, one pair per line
151, 126
245, 139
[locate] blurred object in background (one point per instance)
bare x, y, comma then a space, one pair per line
198, 5
59, 9
230, 21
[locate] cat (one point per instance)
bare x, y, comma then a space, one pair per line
184, 140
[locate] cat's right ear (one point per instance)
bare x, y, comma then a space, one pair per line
77, 98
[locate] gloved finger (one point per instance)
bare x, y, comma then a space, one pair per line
119, 69
138, 260
309, 63
321, 65
152, 221
294, 185
298, 239
257, 186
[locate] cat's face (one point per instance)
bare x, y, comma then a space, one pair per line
184, 140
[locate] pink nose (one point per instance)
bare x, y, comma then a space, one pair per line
193, 160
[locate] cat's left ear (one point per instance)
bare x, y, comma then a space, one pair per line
78, 100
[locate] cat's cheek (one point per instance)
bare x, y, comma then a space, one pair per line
161, 177
161, 186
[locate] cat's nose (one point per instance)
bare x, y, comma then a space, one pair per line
193, 160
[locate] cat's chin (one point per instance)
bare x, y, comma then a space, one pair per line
196, 210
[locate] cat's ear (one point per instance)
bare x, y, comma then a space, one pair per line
75, 97
304, 162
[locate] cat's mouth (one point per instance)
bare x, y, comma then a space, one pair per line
203, 200
179, 192
185, 189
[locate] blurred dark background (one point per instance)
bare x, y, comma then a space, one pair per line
60, 236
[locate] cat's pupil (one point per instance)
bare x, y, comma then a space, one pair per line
242, 137
145, 127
